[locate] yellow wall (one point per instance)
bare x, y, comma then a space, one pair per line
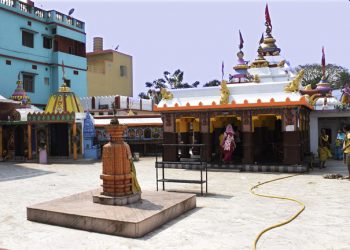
104, 76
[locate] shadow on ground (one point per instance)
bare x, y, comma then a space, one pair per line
12, 171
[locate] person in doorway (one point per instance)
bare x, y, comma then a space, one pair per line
339, 145
346, 148
228, 144
323, 149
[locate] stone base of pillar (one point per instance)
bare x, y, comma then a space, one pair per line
116, 201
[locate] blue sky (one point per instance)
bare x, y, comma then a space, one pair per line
196, 36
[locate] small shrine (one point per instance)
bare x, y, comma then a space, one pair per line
262, 103
91, 148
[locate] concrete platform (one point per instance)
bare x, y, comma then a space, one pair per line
135, 220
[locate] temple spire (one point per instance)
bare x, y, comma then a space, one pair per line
240, 69
268, 42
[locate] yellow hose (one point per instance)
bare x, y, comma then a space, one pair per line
276, 197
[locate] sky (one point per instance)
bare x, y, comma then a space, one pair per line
197, 36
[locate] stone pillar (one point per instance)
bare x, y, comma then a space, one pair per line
206, 137
75, 147
1, 142
169, 137
196, 136
247, 138
291, 138
30, 141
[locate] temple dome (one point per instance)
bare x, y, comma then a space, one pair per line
20, 95
64, 101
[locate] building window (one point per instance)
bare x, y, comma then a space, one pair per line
8, 62
27, 39
67, 82
28, 82
123, 70
29, 23
46, 81
70, 50
47, 42
54, 31
34, 67
76, 72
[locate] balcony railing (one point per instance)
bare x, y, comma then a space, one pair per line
7, 2
49, 16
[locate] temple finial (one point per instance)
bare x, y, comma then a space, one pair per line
268, 20
267, 43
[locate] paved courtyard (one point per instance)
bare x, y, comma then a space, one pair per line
229, 217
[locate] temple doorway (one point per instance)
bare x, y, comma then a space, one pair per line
19, 141
267, 138
218, 127
59, 139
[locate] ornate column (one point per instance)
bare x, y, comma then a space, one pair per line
75, 147
29, 141
120, 186
196, 136
291, 137
169, 137
247, 131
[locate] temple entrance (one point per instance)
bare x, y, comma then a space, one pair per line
59, 139
218, 126
19, 141
188, 132
268, 139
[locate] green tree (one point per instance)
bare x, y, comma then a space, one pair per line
173, 81
336, 75
212, 83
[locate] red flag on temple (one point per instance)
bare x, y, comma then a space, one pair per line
267, 16
241, 41
323, 62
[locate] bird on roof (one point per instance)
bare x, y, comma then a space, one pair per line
70, 11
116, 48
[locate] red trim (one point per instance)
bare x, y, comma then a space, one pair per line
40, 21
127, 116
42, 63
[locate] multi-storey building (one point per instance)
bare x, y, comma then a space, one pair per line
109, 72
34, 43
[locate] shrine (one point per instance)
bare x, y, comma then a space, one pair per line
262, 102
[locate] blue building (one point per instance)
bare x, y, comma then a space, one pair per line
33, 45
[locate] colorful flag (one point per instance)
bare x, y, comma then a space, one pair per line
267, 16
323, 62
63, 68
222, 70
241, 41
262, 38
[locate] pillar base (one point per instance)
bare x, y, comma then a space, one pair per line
116, 201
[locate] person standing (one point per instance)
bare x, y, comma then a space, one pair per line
323, 149
346, 148
339, 145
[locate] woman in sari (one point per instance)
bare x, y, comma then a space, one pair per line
228, 144
323, 149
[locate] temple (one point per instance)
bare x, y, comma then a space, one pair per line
261, 101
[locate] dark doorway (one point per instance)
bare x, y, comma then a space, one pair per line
19, 141
59, 139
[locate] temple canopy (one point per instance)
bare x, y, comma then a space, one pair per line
20, 95
64, 101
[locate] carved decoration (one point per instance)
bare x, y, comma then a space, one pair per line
166, 95
225, 93
293, 86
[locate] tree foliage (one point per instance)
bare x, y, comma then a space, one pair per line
212, 83
336, 75
173, 81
